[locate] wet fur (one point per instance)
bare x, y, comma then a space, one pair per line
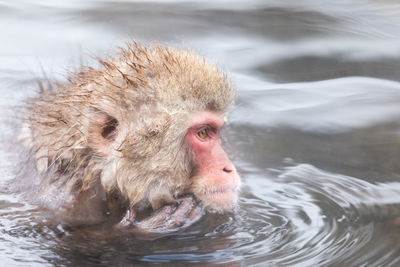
145, 97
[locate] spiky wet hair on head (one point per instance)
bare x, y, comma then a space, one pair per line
168, 76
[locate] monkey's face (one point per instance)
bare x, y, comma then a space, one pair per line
215, 182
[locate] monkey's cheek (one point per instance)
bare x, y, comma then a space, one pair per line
219, 201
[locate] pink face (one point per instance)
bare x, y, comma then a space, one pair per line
216, 181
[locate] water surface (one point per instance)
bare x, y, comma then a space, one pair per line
315, 134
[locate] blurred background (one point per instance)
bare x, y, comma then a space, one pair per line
315, 133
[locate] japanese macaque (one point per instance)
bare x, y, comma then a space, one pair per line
139, 133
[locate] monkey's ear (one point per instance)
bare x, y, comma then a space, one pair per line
103, 130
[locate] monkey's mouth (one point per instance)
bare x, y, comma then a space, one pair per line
220, 199
221, 191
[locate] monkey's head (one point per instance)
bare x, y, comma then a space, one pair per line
146, 124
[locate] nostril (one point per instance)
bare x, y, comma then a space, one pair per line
227, 170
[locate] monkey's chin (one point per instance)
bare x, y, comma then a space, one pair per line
219, 200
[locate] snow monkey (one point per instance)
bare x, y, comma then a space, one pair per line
141, 132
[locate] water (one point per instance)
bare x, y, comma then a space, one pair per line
315, 134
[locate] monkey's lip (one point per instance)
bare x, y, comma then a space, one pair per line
222, 191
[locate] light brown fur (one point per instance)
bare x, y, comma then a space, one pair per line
147, 96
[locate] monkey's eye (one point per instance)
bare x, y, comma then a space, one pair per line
203, 133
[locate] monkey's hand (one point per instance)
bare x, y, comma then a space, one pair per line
171, 218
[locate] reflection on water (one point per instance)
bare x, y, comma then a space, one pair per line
315, 134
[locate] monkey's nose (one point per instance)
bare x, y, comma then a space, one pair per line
227, 170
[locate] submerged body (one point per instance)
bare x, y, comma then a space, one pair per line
140, 132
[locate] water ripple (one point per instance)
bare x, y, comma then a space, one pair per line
320, 218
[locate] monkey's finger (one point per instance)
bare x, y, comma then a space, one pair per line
185, 207
129, 218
